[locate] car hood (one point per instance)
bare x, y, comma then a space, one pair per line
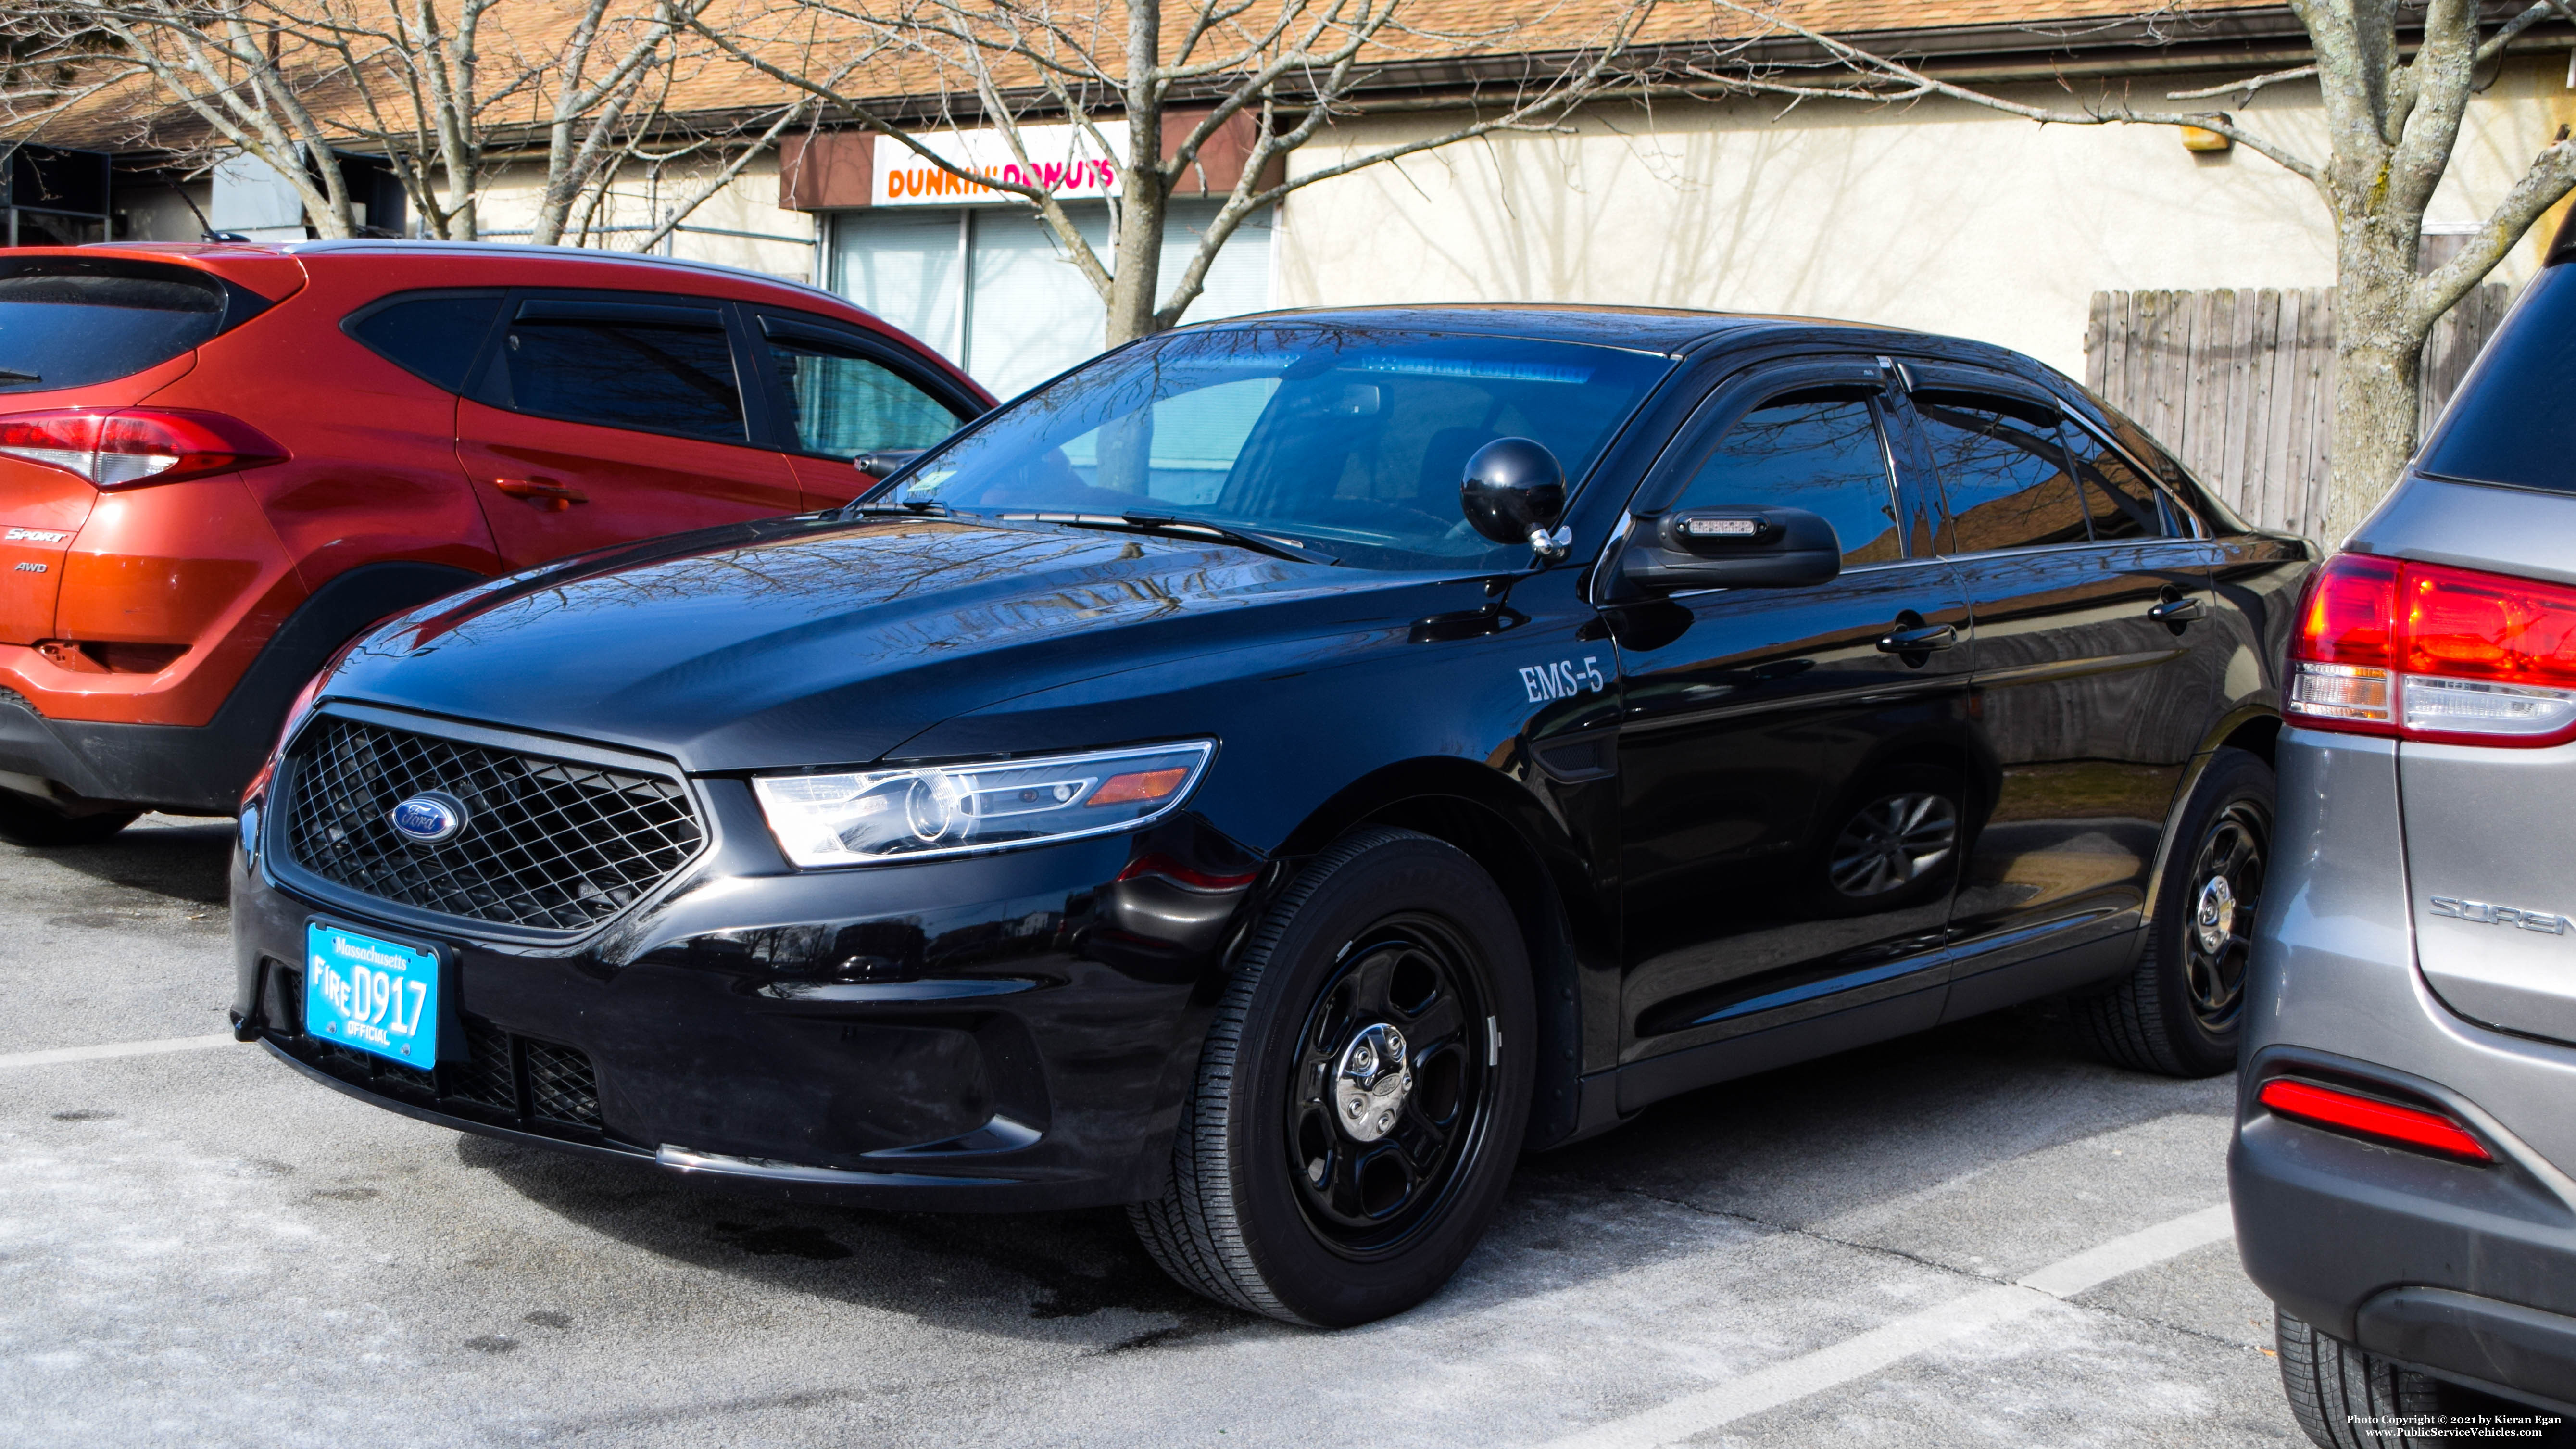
813, 641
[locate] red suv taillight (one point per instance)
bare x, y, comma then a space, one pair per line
2429, 652
136, 445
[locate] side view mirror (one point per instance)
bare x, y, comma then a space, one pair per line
1514, 492
1730, 548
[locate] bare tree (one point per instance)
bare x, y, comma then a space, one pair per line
2393, 116
42, 62
448, 92
1282, 68
225, 63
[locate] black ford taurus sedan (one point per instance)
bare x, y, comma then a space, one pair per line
1277, 772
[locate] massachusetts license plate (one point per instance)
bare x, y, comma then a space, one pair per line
375, 995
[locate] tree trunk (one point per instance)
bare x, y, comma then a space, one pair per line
554, 203
2379, 348
1138, 260
2375, 410
1136, 264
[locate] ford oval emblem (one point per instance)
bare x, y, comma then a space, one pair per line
428, 818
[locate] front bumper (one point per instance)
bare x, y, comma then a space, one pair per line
1009, 1032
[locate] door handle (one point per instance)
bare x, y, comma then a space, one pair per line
545, 493
2176, 611
1920, 640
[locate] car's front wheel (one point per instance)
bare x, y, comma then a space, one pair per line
1362, 1093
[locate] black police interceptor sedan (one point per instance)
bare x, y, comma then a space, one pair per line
1181, 790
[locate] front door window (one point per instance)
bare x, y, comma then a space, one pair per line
1819, 452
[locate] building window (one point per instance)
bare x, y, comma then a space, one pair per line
52, 198
988, 287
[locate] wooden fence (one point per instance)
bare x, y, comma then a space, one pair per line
2240, 384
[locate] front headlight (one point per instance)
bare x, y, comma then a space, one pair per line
884, 815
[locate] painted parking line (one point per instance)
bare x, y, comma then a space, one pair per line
1892, 1343
58, 1055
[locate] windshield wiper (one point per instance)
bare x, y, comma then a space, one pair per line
910, 508
11, 374
1167, 523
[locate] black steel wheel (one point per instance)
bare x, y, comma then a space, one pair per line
2226, 884
2180, 1010
1362, 1092
1391, 1087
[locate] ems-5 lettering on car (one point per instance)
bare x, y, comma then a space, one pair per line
1563, 679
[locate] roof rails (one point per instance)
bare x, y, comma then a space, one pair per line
392, 245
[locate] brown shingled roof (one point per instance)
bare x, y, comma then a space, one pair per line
1443, 44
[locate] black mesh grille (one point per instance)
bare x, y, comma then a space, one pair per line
486, 1077
546, 843
560, 1085
379, 1072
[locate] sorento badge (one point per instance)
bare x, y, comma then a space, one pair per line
428, 818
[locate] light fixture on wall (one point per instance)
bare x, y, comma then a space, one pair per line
2201, 138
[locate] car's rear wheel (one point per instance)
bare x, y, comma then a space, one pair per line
25, 820
2345, 1398
2180, 1009
1362, 1094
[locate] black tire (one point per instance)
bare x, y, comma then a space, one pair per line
2180, 1011
1274, 1210
28, 821
2339, 1394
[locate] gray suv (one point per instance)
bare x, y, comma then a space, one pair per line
2404, 1166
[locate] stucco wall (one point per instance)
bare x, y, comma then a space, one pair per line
1937, 215
747, 204
155, 212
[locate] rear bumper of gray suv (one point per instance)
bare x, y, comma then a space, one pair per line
2466, 1271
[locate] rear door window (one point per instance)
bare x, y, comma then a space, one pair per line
435, 337
2006, 477
650, 367
844, 398
70, 321
2119, 502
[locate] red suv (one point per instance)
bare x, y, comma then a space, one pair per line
219, 463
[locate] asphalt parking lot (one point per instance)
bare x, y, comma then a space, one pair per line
1972, 1237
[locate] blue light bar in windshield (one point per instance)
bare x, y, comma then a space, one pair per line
1550, 372
1463, 367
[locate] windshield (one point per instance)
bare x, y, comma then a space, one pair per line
1348, 441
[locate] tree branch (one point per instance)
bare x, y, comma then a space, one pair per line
1901, 82
2551, 177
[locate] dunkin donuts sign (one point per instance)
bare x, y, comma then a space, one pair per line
1063, 160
